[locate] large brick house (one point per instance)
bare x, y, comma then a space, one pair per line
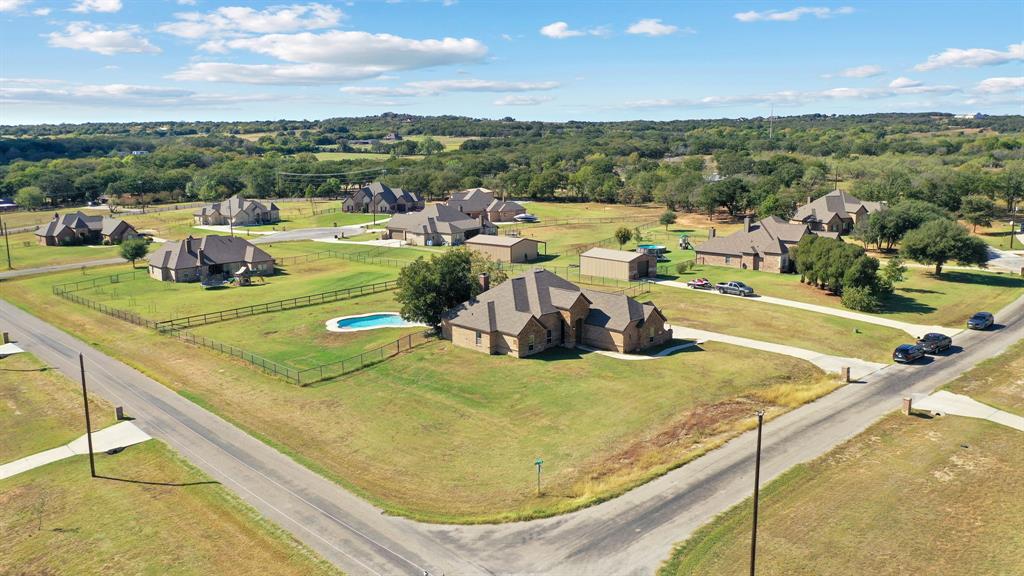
208, 258
238, 211
836, 212
436, 225
762, 245
80, 228
477, 201
377, 197
530, 313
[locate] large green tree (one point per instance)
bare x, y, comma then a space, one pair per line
978, 210
940, 241
427, 289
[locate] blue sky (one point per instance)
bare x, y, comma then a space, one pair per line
124, 60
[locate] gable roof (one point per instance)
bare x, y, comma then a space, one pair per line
509, 307
434, 219
768, 236
616, 255
80, 222
379, 192
233, 206
215, 250
480, 200
835, 203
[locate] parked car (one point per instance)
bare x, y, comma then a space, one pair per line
933, 342
735, 288
700, 284
981, 321
907, 353
526, 218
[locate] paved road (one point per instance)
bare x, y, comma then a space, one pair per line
16, 273
631, 534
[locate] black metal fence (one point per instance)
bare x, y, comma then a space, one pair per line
275, 306
612, 241
267, 366
80, 285
364, 359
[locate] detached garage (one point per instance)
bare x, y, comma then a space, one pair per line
505, 248
618, 264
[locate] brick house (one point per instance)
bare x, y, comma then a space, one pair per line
377, 197
530, 313
836, 212
79, 228
477, 201
237, 211
762, 245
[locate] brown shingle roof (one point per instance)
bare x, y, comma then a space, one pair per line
215, 249
508, 307
836, 203
436, 219
769, 236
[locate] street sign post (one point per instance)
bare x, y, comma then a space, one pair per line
538, 462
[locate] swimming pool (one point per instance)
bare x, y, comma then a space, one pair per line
369, 321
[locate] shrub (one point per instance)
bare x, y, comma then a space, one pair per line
860, 298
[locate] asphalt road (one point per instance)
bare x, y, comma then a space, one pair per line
631, 534
17, 273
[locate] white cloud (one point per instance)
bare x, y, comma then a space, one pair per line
561, 30
187, 2
41, 11
791, 15
332, 56
435, 87
240, 20
972, 58
651, 27
904, 82
866, 71
12, 5
1000, 85
792, 97
44, 91
513, 100
97, 6
96, 38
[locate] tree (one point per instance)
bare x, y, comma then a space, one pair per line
887, 227
30, 197
860, 298
895, 271
667, 217
429, 288
940, 241
978, 210
133, 249
623, 235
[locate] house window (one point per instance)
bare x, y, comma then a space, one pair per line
532, 341
478, 339
728, 260
549, 337
650, 334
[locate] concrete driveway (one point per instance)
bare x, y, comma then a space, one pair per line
945, 402
915, 330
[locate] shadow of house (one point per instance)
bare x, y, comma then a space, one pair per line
80, 228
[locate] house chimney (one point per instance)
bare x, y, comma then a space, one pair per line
485, 281
711, 233
746, 223
808, 199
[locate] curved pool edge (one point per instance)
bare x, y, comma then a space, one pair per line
332, 324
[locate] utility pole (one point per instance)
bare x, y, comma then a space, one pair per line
88, 423
1012, 224
6, 241
757, 482
771, 123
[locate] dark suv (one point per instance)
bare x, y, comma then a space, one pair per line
980, 321
907, 353
934, 342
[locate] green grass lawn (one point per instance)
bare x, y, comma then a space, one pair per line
41, 409
783, 325
298, 338
26, 252
562, 210
924, 298
907, 496
998, 235
469, 424
158, 300
58, 520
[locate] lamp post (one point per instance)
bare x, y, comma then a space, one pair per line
757, 481
538, 462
